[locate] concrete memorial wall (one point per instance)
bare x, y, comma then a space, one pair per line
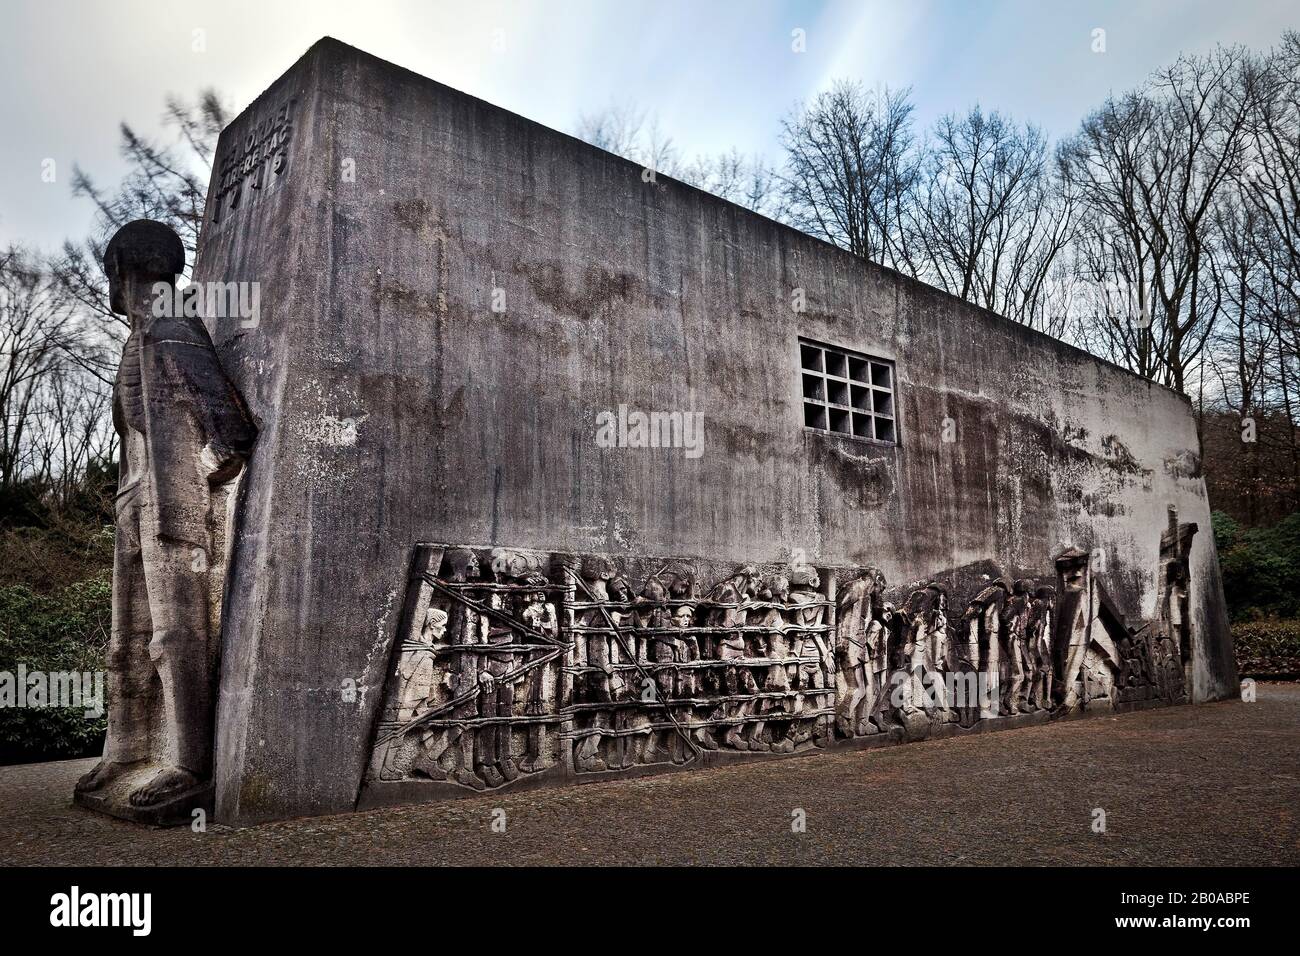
564, 471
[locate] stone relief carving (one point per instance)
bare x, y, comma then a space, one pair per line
525, 663
520, 670
185, 434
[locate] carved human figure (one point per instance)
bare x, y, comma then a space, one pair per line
926, 655
775, 593
184, 433
592, 651
1015, 625
539, 615
856, 674
913, 694
466, 628
686, 649
728, 597
656, 615
768, 619
625, 655
1040, 645
1172, 617
939, 656
809, 645
593, 647
626, 649
879, 633
417, 677
982, 625
655, 611
416, 671
1073, 625
493, 759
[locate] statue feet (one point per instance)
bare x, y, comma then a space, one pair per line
467, 778
531, 765
166, 784
490, 776
102, 774
735, 741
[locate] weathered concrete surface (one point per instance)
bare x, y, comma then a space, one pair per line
395, 406
1181, 786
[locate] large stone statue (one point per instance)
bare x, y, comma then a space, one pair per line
184, 434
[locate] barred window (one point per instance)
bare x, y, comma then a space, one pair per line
847, 393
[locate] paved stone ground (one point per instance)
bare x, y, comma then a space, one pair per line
1210, 785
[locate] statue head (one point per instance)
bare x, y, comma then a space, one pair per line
598, 569
144, 251
511, 564
874, 576
777, 588
435, 624
745, 580
460, 564
679, 579
620, 589
1072, 566
805, 577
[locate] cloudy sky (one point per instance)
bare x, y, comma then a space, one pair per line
716, 74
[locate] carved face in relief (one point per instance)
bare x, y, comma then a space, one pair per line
1072, 565
778, 588
435, 625
805, 577
619, 589
679, 580
462, 564
598, 569
509, 564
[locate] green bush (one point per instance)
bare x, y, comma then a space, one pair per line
65, 630
1261, 567
1267, 647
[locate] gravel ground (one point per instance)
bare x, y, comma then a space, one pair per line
1192, 786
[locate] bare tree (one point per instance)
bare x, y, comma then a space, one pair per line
36, 330
1271, 177
629, 132
1148, 167
58, 337
164, 182
745, 180
989, 220
851, 169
